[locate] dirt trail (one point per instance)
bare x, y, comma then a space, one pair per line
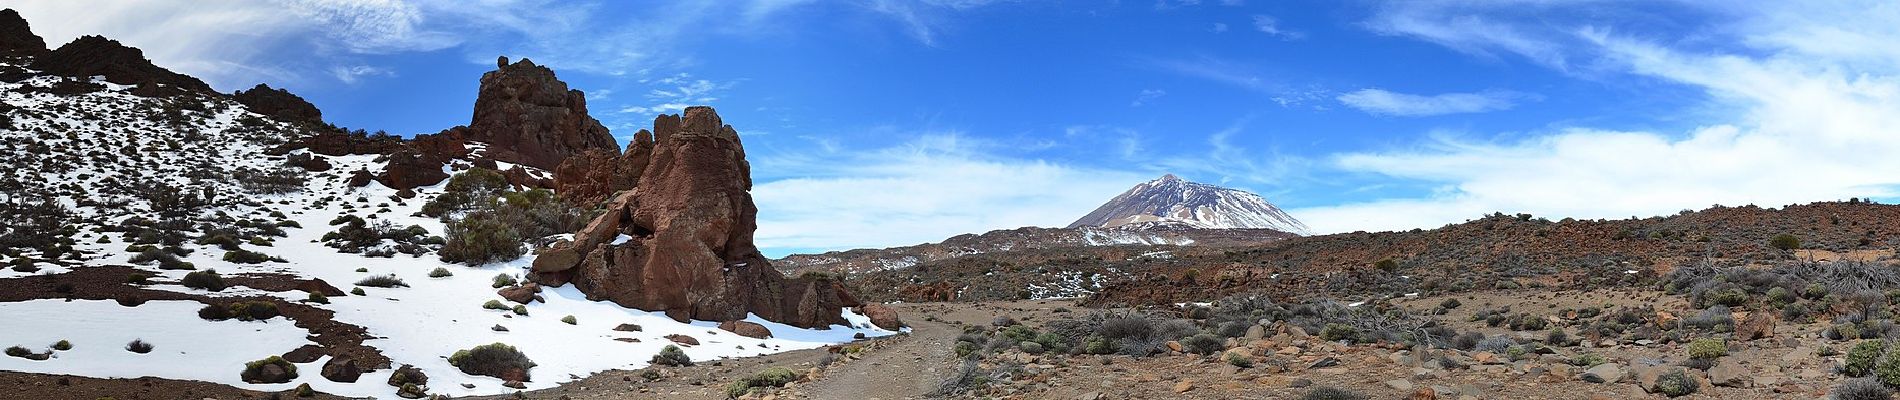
911, 368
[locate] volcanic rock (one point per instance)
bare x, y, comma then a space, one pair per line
529, 117
98, 56
408, 374
304, 354
409, 169
279, 104
884, 317
594, 175
16, 37
690, 220
746, 328
683, 339
520, 294
319, 286
342, 369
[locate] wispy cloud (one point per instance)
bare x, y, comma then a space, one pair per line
932, 187
1270, 26
674, 93
350, 74
1383, 102
1147, 96
1214, 69
1790, 121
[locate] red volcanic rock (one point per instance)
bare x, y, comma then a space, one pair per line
408, 169
279, 104
16, 37
883, 317
691, 219
520, 294
529, 117
747, 329
98, 56
319, 286
593, 176
683, 339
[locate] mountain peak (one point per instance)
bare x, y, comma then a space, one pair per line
1172, 200
16, 37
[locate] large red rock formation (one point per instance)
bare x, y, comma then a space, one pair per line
98, 56
691, 219
590, 177
16, 37
529, 117
278, 103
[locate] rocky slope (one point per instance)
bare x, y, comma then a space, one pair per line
1027, 238
1174, 200
227, 230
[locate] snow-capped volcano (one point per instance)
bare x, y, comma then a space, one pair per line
1171, 200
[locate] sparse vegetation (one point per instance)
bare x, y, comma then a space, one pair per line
494, 359
671, 356
206, 279
382, 281
440, 272
769, 378
271, 369
138, 346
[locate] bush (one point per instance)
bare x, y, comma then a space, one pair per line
1861, 358
1338, 332
253, 310
1098, 345
521, 310
1862, 389
253, 371
1785, 242
1842, 332
966, 349
770, 377
1237, 359
1589, 360
570, 320
1889, 369
1707, 348
494, 359
62, 345
495, 305
241, 256
138, 346
1030, 347
480, 240
1203, 344
1557, 337
358, 291
672, 356
503, 280
1331, 393
440, 272
1467, 341
206, 279
22, 352
1126, 327
1676, 383
1449, 304
318, 298
382, 281
1780, 296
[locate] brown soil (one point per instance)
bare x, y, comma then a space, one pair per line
19, 385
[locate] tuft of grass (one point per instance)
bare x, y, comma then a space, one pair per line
570, 320
495, 305
503, 280
382, 281
62, 345
138, 346
769, 378
206, 279
1332, 393
440, 272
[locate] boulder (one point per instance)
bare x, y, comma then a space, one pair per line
409, 168
1605, 373
528, 116
1727, 372
523, 294
1758, 325
16, 37
342, 369
97, 56
304, 354
691, 220
318, 286
683, 339
279, 104
746, 328
882, 316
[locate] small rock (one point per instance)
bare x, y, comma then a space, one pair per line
1184, 386
1323, 363
1606, 373
683, 339
499, 328
1400, 384
627, 328
1300, 383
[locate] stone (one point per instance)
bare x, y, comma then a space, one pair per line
1184, 386
683, 339
304, 354
1256, 332
1728, 373
746, 328
882, 316
342, 369
1758, 325
279, 104
1605, 373
523, 293
1424, 393
16, 37
627, 328
530, 117
1399, 384
1485, 357
319, 286
91, 55
1323, 363
1174, 346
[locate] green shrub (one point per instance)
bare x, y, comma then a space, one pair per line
252, 310
382, 281
770, 377
1099, 345
253, 371
570, 320
1338, 332
1785, 242
1780, 296
478, 240
440, 272
1331, 393
206, 279
1815, 291
503, 280
671, 356
1843, 332
521, 310
965, 349
241, 256
1732, 297
358, 291
1237, 359
1030, 347
62, 345
1862, 389
1588, 360
1676, 383
1203, 344
494, 359
138, 346
1861, 358
1888, 371
318, 298
1707, 348
495, 305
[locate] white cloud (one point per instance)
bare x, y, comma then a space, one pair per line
350, 74
1270, 26
1380, 101
1147, 96
1794, 122
926, 190
674, 93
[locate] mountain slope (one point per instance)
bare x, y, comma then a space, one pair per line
1199, 205
1024, 239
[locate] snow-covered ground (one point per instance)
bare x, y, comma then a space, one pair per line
421, 324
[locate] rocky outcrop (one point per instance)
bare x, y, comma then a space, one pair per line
16, 37
590, 177
746, 328
529, 117
409, 168
118, 63
689, 220
279, 104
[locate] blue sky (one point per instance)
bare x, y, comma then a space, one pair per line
877, 123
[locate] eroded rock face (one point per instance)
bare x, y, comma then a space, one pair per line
98, 56
529, 117
279, 104
16, 37
690, 219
